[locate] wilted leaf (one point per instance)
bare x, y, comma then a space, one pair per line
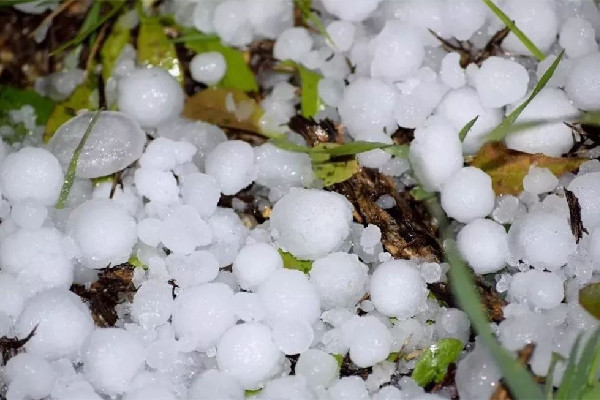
227, 108
335, 172
113, 45
507, 168
434, 362
291, 262
13, 99
154, 47
589, 298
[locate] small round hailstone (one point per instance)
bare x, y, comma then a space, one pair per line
255, 263
341, 280
29, 213
317, 367
200, 191
115, 142
289, 387
232, 165
231, 22
112, 357
311, 223
553, 139
356, 12
183, 230
583, 82
152, 304
348, 387
203, 16
150, 391
370, 236
388, 393
330, 91
203, 313
248, 307
31, 172
156, 185
484, 245
11, 296
397, 51
342, 34
214, 384
453, 323
270, 18
193, 269
148, 231
277, 167
559, 77
29, 377
292, 336
397, 289
539, 180
451, 72
293, 44
543, 290
288, 294
500, 82
61, 322
464, 17
477, 375
468, 194
435, 155
367, 106
414, 106
587, 189
150, 96
537, 19
104, 232
542, 239
577, 37
208, 68
375, 158
165, 154
229, 235
248, 353
368, 339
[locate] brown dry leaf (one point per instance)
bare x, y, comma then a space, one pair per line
211, 105
9, 347
508, 167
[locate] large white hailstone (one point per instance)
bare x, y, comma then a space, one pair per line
543, 290
397, 289
277, 167
500, 81
463, 18
202, 18
368, 339
484, 245
577, 37
214, 384
397, 51
468, 194
453, 323
208, 68
29, 377
31, 173
248, 353
249, 307
288, 388
61, 322
593, 248
228, 233
367, 106
583, 82
539, 180
354, 12
150, 391
553, 139
115, 142
232, 165
270, 18
293, 44
342, 34
311, 223
11, 296
435, 154
104, 233
112, 357
317, 367
152, 304
288, 294
340, 278
232, 23
462, 105
194, 269
292, 336
150, 96
29, 214
348, 387
200, 191
541, 239
183, 230
165, 154
156, 185
477, 375
537, 19
255, 263
587, 189
201, 314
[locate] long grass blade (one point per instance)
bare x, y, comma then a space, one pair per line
465, 130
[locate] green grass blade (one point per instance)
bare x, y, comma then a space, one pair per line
465, 130
549, 385
70, 175
585, 367
537, 53
309, 16
500, 131
570, 371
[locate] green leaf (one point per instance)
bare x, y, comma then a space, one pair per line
310, 102
310, 18
291, 262
549, 386
133, 260
332, 150
287, 145
238, 75
12, 98
112, 47
433, 364
498, 132
250, 393
64, 111
155, 49
581, 369
349, 149
465, 130
419, 194
533, 49
589, 298
592, 393
70, 175
339, 358
398, 150
335, 171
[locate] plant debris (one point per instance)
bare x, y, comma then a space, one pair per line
9, 347
575, 215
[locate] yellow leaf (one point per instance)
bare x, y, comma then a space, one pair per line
507, 168
335, 172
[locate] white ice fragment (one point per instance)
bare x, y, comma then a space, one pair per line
293, 44
148, 231
228, 234
342, 34
477, 375
318, 367
453, 323
11, 296
583, 84
537, 19
156, 185
29, 213
29, 377
183, 230
193, 269
368, 339
539, 180
208, 68
215, 384
292, 336
451, 72
468, 194
200, 191
152, 304
397, 51
356, 12
232, 165
484, 245
577, 37
277, 167
543, 290
464, 18
255, 263
500, 82
270, 18
232, 22
587, 189
348, 387
249, 307
165, 154
370, 236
